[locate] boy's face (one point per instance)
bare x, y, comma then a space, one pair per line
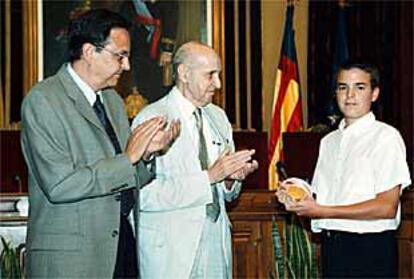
354, 94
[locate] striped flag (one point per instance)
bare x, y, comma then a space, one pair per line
287, 107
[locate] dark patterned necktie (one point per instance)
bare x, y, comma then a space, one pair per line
213, 209
127, 197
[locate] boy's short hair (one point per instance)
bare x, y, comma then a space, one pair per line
364, 66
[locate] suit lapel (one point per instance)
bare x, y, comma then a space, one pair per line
109, 108
215, 124
174, 107
80, 101
174, 112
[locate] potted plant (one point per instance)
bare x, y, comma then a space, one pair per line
295, 257
9, 260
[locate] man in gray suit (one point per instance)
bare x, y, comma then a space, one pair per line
85, 166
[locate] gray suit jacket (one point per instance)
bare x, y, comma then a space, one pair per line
75, 179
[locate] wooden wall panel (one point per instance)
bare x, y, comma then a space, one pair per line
301, 153
252, 216
243, 73
257, 141
13, 170
405, 236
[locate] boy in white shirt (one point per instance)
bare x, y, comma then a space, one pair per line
359, 177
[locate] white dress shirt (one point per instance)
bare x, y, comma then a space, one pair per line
355, 164
84, 87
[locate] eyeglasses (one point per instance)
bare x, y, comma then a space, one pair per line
120, 56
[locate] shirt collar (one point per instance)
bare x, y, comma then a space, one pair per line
359, 125
83, 86
186, 107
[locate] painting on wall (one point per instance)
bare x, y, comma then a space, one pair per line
158, 27
35, 44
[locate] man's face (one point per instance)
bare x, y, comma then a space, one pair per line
112, 59
202, 78
354, 94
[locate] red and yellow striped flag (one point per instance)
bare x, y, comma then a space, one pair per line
287, 107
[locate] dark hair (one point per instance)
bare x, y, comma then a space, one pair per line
364, 66
92, 27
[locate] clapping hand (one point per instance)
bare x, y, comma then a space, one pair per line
242, 173
163, 139
141, 137
238, 164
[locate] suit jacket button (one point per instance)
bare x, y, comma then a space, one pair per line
114, 233
118, 197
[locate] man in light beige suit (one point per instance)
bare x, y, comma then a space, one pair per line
85, 167
184, 229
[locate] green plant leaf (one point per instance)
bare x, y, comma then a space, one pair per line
10, 265
299, 257
306, 248
299, 252
278, 251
